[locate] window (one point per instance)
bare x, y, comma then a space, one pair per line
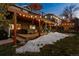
45, 16
51, 16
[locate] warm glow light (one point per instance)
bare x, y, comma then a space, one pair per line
45, 21
23, 15
39, 20
11, 26
0, 13
35, 16
20, 14
18, 26
51, 16
45, 16
26, 15
32, 27
31, 16
65, 23
72, 23
40, 16
68, 24
56, 17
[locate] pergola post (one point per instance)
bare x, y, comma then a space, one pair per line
50, 26
39, 28
14, 22
45, 26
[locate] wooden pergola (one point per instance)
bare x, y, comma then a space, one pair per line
26, 14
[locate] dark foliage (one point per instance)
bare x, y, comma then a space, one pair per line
7, 50
3, 34
63, 47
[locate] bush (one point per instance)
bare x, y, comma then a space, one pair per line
3, 34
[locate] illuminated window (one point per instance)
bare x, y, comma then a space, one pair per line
11, 26
51, 16
32, 27
18, 26
45, 16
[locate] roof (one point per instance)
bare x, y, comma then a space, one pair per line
25, 12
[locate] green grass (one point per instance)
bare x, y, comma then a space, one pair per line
68, 46
7, 50
64, 47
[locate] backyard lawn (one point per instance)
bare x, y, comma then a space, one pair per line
7, 50
63, 47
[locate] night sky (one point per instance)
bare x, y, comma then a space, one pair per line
55, 8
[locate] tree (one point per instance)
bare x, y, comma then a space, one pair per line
68, 11
4, 9
76, 20
5, 15
34, 7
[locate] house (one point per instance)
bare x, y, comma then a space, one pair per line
53, 18
29, 21
67, 25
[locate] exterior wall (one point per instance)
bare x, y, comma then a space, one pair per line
24, 26
67, 26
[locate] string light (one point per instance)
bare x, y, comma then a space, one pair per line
35, 16
20, 14
39, 20
23, 15
26, 15
40, 16
31, 16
